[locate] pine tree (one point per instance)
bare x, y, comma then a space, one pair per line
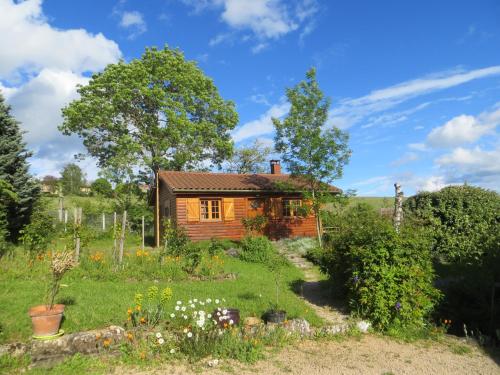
14, 170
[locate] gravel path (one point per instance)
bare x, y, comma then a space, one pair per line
316, 292
369, 355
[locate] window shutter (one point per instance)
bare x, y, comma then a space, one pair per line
193, 209
228, 209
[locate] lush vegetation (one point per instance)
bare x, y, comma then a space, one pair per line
97, 292
463, 220
388, 277
464, 225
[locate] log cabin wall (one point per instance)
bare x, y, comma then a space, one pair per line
235, 207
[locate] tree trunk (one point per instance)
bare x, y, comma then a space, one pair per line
398, 207
318, 221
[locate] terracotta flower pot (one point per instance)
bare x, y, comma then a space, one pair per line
46, 322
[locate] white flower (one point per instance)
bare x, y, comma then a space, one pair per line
172, 315
209, 300
185, 317
219, 309
209, 316
185, 330
223, 300
195, 313
217, 301
172, 351
179, 302
195, 300
224, 311
231, 321
193, 306
201, 312
190, 301
183, 308
218, 313
161, 341
158, 335
177, 308
202, 303
190, 334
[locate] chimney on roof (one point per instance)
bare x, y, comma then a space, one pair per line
275, 167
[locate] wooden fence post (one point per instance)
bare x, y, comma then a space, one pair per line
122, 236
103, 222
61, 207
143, 233
114, 237
65, 220
78, 224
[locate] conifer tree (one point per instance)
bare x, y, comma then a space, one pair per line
14, 170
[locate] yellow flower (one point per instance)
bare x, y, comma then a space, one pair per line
106, 343
130, 336
143, 320
138, 307
129, 311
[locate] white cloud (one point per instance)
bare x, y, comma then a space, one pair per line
40, 67
266, 19
351, 111
418, 146
471, 164
263, 125
259, 48
405, 159
37, 104
460, 130
134, 21
29, 43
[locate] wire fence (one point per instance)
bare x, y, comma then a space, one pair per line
103, 222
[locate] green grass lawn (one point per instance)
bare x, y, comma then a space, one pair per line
93, 303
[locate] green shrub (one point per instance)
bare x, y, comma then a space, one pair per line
462, 219
37, 235
257, 249
388, 276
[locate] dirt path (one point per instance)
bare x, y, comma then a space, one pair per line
369, 355
316, 292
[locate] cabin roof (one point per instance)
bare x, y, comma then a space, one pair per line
214, 182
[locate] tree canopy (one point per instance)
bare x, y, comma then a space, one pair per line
14, 170
72, 179
101, 186
159, 111
250, 159
312, 150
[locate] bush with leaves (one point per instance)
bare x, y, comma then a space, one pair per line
257, 249
462, 219
388, 276
37, 235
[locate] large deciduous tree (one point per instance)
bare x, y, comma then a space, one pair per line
250, 159
72, 179
312, 150
14, 171
159, 111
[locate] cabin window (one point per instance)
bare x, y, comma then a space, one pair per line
210, 209
291, 207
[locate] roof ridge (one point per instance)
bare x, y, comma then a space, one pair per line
224, 173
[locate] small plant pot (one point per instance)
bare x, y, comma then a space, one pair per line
46, 322
275, 316
232, 314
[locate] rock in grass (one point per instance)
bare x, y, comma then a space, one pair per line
46, 353
363, 326
300, 326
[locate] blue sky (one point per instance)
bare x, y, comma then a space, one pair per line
416, 83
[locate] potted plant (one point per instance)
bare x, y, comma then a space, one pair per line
46, 319
275, 314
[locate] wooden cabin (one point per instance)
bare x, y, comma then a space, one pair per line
213, 205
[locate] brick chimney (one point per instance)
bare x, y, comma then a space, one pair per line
275, 167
